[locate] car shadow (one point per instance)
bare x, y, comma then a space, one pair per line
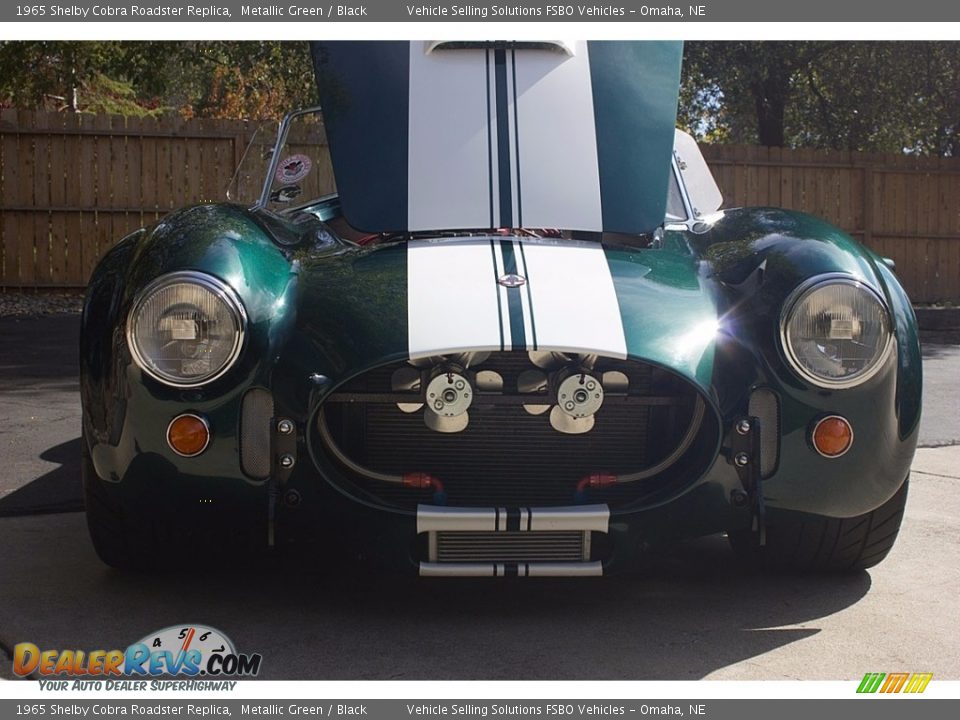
692, 610
59, 490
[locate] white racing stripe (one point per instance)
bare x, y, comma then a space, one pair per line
518, 253
502, 292
453, 149
493, 166
455, 304
444, 135
451, 297
555, 110
575, 305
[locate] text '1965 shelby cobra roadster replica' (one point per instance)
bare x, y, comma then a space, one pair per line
521, 340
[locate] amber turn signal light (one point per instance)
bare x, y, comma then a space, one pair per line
832, 436
188, 435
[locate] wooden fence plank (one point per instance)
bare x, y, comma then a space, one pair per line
134, 170
72, 185
193, 162
10, 226
179, 171
149, 169
30, 227
105, 180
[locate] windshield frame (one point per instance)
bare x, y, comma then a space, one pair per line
277, 147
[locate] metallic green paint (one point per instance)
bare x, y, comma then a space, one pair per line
648, 281
706, 305
757, 257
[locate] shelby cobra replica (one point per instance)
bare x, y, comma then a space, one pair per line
521, 340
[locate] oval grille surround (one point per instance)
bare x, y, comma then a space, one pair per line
507, 457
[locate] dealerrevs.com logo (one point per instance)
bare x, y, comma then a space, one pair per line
190, 650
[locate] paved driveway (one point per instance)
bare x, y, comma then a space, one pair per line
692, 614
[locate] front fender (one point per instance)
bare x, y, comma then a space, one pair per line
223, 241
758, 257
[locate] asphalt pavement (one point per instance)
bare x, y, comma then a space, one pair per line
693, 613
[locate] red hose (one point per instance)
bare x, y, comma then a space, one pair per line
597, 480
422, 481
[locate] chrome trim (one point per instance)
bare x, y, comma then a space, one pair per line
508, 547
534, 569
206, 425
585, 569
798, 295
215, 285
434, 518
595, 518
684, 195
819, 422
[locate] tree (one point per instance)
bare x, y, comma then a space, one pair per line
75, 75
880, 96
231, 79
207, 79
749, 83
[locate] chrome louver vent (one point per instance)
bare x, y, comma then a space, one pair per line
563, 546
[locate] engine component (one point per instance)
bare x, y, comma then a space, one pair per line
449, 395
579, 389
450, 388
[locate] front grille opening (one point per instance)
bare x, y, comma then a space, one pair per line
507, 457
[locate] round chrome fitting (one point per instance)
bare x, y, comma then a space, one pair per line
743, 427
580, 395
741, 459
287, 461
449, 394
285, 427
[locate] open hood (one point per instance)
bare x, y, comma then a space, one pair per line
472, 135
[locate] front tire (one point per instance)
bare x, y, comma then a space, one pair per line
111, 529
814, 543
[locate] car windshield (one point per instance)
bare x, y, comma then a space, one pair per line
295, 174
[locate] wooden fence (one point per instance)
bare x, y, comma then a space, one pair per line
902, 207
72, 185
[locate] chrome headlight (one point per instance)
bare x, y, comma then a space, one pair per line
186, 329
836, 331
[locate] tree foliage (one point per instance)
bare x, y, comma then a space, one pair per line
205, 79
879, 96
875, 96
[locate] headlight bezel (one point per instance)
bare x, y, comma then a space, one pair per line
793, 301
219, 288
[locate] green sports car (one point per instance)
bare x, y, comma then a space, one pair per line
521, 340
